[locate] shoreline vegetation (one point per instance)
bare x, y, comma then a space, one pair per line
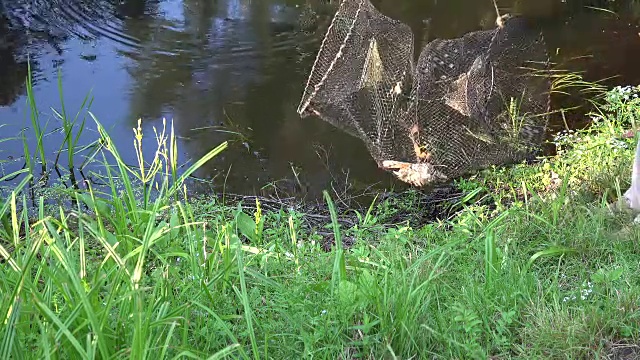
526, 261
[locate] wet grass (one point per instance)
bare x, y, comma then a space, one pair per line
530, 262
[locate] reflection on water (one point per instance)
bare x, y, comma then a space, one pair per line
12, 69
234, 70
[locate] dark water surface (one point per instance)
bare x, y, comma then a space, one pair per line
220, 68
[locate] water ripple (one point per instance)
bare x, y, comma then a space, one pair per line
59, 19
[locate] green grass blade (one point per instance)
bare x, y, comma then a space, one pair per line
244, 297
9, 334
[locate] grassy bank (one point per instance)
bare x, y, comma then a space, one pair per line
526, 262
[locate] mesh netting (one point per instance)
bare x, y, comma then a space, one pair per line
470, 102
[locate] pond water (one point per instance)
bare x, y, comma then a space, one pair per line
235, 70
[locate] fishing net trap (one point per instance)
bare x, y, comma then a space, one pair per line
465, 104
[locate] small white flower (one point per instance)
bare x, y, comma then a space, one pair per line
587, 291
